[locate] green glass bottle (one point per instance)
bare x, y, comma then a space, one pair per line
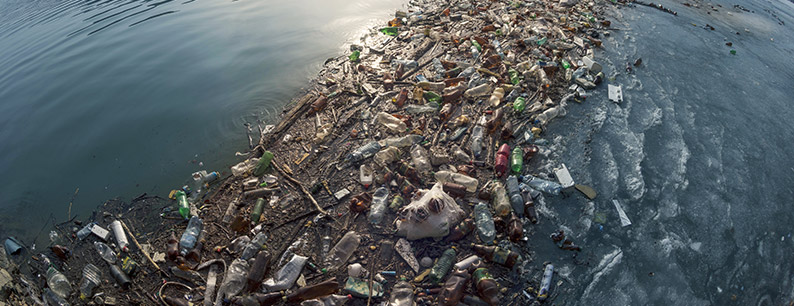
391, 31
517, 160
519, 104
264, 163
514, 76
256, 213
476, 45
566, 64
181, 201
354, 56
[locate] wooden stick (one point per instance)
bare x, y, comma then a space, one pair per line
305, 192
139, 246
69, 214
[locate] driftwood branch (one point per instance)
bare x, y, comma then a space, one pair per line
303, 189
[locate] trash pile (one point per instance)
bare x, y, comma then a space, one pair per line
404, 175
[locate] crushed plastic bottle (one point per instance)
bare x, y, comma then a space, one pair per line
105, 252
190, 236
58, 283
342, 251
486, 229
478, 91
378, 208
402, 294
234, 281
53, 299
253, 247
392, 123
453, 289
92, 277
500, 202
496, 96
287, 275
420, 159
363, 152
461, 179
476, 144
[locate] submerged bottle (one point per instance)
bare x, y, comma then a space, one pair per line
541, 184
545, 284
181, 201
486, 229
190, 236
514, 192
91, 278
58, 283
487, 287
500, 162
342, 250
378, 208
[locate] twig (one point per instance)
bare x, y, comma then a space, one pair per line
306, 193
371, 275
69, 214
139, 247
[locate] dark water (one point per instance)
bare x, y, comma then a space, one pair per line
699, 155
118, 98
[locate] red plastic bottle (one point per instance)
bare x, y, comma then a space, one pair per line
501, 162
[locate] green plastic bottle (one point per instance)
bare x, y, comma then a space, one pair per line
442, 266
514, 76
391, 31
431, 96
264, 163
517, 160
519, 104
181, 201
566, 64
256, 213
476, 45
354, 56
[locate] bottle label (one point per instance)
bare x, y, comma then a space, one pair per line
500, 256
481, 274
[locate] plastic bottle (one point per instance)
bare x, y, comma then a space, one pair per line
181, 201
467, 262
529, 204
477, 141
121, 237
446, 111
190, 236
496, 96
199, 179
487, 287
409, 64
392, 123
330, 300
541, 184
402, 294
517, 160
478, 91
105, 252
263, 164
313, 291
85, 231
515, 230
550, 113
258, 271
486, 229
514, 193
53, 299
442, 266
500, 202
439, 69
519, 104
233, 281
404, 141
58, 283
545, 284
453, 289
363, 152
258, 298
452, 177
379, 203
460, 155
420, 159
422, 109
432, 86
514, 76
287, 275
498, 255
91, 278
172, 247
342, 250
496, 121
365, 176
122, 279
253, 247
501, 160
256, 213
244, 166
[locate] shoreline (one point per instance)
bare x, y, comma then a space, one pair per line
305, 162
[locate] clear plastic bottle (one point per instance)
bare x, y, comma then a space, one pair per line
342, 250
234, 281
85, 231
121, 237
541, 184
92, 277
458, 178
287, 275
105, 252
442, 267
254, 246
199, 179
408, 64
460, 154
432, 86
363, 152
514, 193
551, 113
486, 229
392, 123
439, 69
402, 294
477, 141
53, 299
420, 159
58, 283
244, 166
403, 141
431, 107
190, 236
379, 203
478, 91
501, 204
496, 96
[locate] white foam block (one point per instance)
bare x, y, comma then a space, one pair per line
615, 93
564, 177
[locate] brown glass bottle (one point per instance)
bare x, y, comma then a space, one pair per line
515, 230
314, 291
258, 271
461, 230
498, 255
453, 288
486, 286
172, 247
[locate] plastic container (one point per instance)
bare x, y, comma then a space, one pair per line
392, 123
121, 237
342, 251
58, 283
85, 231
517, 160
478, 91
181, 202
53, 299
244, 166
253, 247
541, 184
105, 252
365, 175
486, 229
92, 277
476, 144
453, 289
379, 204
263, 164
545, 283
500, 202
501, 160
233, 281
190, 236
496, 96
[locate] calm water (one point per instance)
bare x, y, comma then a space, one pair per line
119, 98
